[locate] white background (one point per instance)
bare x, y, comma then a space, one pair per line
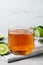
20, 13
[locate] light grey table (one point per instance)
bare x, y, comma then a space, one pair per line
37, 60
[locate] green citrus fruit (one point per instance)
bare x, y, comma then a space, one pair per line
3, 49
1, 36
38, 31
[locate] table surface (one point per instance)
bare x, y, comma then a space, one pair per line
36, 60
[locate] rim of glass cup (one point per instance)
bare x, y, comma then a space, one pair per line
28, 31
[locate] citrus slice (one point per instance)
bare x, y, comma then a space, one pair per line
3, 49
1, 36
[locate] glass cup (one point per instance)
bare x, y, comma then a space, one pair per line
20, 41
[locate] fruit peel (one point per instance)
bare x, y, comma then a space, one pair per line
38, 30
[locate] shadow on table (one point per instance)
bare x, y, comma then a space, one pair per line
27, 58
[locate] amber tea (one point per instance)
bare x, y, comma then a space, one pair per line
20, 41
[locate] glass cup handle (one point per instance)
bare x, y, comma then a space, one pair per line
37, 38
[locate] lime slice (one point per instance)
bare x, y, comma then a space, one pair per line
1, 36
3, 49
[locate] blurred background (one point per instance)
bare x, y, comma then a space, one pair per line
20, 13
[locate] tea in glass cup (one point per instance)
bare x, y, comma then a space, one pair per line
20, 41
